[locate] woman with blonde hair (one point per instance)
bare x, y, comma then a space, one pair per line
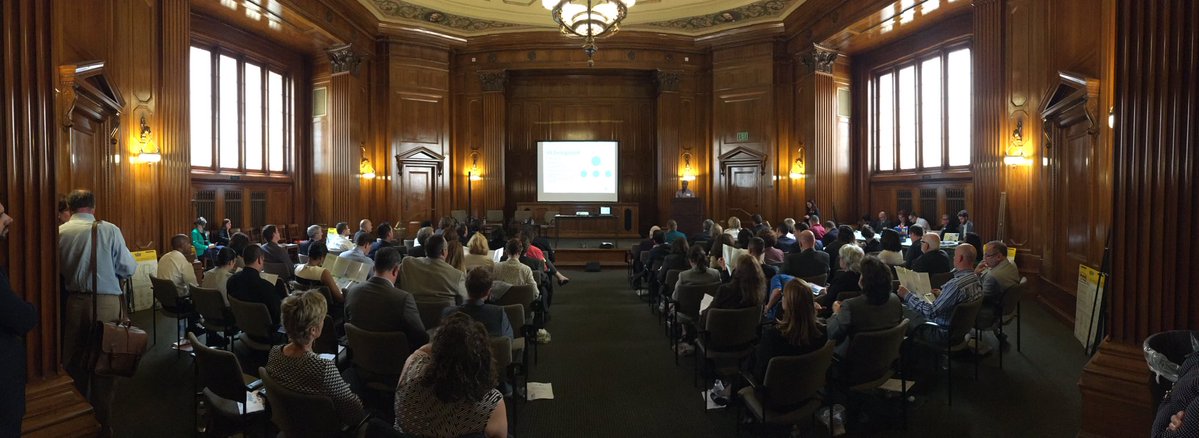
734, 227
794, 332
478, 253
296, 367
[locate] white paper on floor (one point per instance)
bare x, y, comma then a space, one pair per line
708, 400
539, 391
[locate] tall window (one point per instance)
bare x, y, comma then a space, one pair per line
921, 112
240, 114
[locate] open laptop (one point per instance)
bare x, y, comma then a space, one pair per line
950, 237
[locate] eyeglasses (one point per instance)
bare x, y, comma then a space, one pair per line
993, 255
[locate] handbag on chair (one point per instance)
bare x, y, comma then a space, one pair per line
116, 347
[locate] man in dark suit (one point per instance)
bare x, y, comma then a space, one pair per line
315, 236
247, 285
478, 287
808, 262
378, 306
17, 317
915, 235
274, 252
422, 237
383, 241
934, 260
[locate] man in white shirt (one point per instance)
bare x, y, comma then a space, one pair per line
176, 267
113, 263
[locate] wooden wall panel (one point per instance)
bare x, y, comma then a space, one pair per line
418, 119
743, 118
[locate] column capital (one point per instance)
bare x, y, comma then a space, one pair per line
344, 59
819, 59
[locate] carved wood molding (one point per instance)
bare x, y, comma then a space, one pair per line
344, 59
495, 80
741, 156
420, 157
667, 80
86, 80
819, 59
1072, 99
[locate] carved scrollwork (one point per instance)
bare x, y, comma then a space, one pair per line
819, 59
344, 59
667, 80
493, 80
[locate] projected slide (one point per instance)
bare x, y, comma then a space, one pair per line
576, 171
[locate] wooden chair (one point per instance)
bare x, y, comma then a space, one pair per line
523, 336
790, 390
524, 296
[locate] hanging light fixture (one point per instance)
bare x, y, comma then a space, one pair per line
365, 169
588, 19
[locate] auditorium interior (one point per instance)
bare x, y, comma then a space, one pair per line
1064, 128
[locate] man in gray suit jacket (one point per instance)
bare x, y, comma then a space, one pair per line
430, 278
378, 306
808, 262
996, 273
876, 309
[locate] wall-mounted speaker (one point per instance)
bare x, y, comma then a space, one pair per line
628, 219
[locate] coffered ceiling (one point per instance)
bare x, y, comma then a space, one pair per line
479, 17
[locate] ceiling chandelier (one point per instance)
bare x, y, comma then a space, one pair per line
588, 19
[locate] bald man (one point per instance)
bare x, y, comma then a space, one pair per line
934, 260
808, 261
964, 287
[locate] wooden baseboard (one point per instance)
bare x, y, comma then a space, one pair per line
1116, 400
54, 408
578, 257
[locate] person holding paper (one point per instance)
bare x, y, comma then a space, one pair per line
248, 285
313, 275
964, 287
746, 288
934, 260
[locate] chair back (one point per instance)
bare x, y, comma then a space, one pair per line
430, 311
690, 296
166, 293
523, 295
495, 216
732, 329
211, 305
939, 279
326, 343
819, 280
672, 278
379, 353
281, 269
219, 371
790, 380
522, 215
501, 352
869, 355
963, 319
300, 415
516, 317
252, 318
1011, 297
409, 244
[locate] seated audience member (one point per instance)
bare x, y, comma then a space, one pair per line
224, 233
756, 249
340, 240
892, 253
903, 220
218, 277
359, 252
383, 239
535, 252
770, 254
511, 270
315, 236
1172, 419
313, 275
785, 238
699, 273
430, 277
672, 231
716, 252
965, 224
975, 240
846, 280
238, 243
379, 306
807, 262
871, 244
343, 231
996, 274
845, 236
448, 386
660, 250
831, 234
746, 288
677, 259
883, 222
454, 250
759, 224
176, 267
247, 285
273, 252
714, 234
422, 236
705, 234
876, 309
794, 333
915, 219
915, 235
649, 242
949, 224
963, 288
364, 227
477, 253
296, 367
810, 209
934, 260
734, 227
497, 239
815, 226
205, 250
493, 317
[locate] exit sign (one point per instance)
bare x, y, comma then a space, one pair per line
743, 136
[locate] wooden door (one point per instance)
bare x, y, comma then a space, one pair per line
420, 188
744, 188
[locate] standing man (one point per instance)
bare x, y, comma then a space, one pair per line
17, 317
113, 263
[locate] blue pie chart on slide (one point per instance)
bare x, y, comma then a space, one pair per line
595, 161
583, 174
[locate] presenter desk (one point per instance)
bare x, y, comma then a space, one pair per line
588, 226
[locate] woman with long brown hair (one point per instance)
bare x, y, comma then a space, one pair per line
795, 332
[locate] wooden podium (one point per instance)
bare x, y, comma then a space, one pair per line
689, 213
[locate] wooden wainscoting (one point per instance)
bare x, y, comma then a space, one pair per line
54, 408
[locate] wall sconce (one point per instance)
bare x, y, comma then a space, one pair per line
799, 169
365, 169
1016, 154
473, 173
1111, 118
145, 153
688, 173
